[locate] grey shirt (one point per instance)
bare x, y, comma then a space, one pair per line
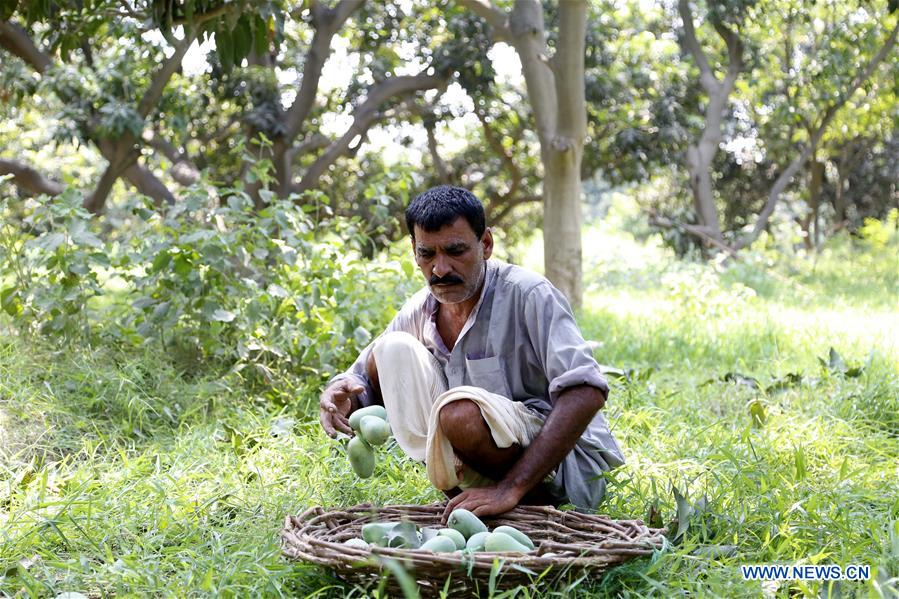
520, 341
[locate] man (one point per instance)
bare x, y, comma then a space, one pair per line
484, 374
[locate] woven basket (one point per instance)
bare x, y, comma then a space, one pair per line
568, 544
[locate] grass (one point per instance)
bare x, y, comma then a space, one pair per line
120, 477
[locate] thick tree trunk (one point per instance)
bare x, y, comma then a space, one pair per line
562, 220
556, 95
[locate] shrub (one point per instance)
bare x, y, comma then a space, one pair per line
213, 282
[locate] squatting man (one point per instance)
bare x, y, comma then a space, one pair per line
484, 374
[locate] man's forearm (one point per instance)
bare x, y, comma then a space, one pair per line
572, 412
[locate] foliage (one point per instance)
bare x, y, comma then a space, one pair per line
120, 474
211, 282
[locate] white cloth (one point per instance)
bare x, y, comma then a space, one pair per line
414, 392
509, 422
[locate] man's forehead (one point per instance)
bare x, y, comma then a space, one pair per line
456, 234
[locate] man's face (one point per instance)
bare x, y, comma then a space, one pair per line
452, 260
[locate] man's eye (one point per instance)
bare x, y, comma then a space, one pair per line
425, 254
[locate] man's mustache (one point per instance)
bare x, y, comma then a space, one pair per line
447, 280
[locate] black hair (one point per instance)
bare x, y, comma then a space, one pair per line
441, 206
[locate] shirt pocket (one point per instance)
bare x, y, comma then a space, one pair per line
488, 373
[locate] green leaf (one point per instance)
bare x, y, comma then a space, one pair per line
242, 39
224, 45
9, 301
51, 241
684, 512
260, 35
800, 463
835, 362
405, 580
757, 413
221, 315
160, 261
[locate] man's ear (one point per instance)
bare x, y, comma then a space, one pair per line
487, 242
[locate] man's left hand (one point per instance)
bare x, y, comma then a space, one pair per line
484, 501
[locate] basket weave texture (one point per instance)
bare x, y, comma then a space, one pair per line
567, 544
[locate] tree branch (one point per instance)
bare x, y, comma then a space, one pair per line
703, 233
498, 218
706, 76
326, 22
364, 116
310, 144
162, 76
183, 170
29, 178
496, 18
16, 40
436, 158
734, 54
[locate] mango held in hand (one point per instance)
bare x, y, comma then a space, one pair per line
501, 542
362, 458
465, 522
357, 416
374, 430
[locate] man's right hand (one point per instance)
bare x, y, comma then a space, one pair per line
335, 405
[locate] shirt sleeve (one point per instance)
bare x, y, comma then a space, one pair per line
565, 357
404, 321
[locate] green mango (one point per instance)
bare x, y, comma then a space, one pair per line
376, 532
455, 535
428, 533
516, 534
501, 542
374, 430
356, 417
362, 458
465, 522
439, 544
357, 543
476, 541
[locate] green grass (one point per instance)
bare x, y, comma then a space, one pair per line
120, 477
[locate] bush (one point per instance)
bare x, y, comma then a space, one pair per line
212, 282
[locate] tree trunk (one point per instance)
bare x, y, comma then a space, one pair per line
816, 179
701, 154
562, 221
699, 164
557, 97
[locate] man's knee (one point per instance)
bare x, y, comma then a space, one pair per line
463, 424
395, 344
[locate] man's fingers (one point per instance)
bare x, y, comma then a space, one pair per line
452, 504
325, 418
341, 423
348, 391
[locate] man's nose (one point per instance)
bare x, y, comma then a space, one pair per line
441, 266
